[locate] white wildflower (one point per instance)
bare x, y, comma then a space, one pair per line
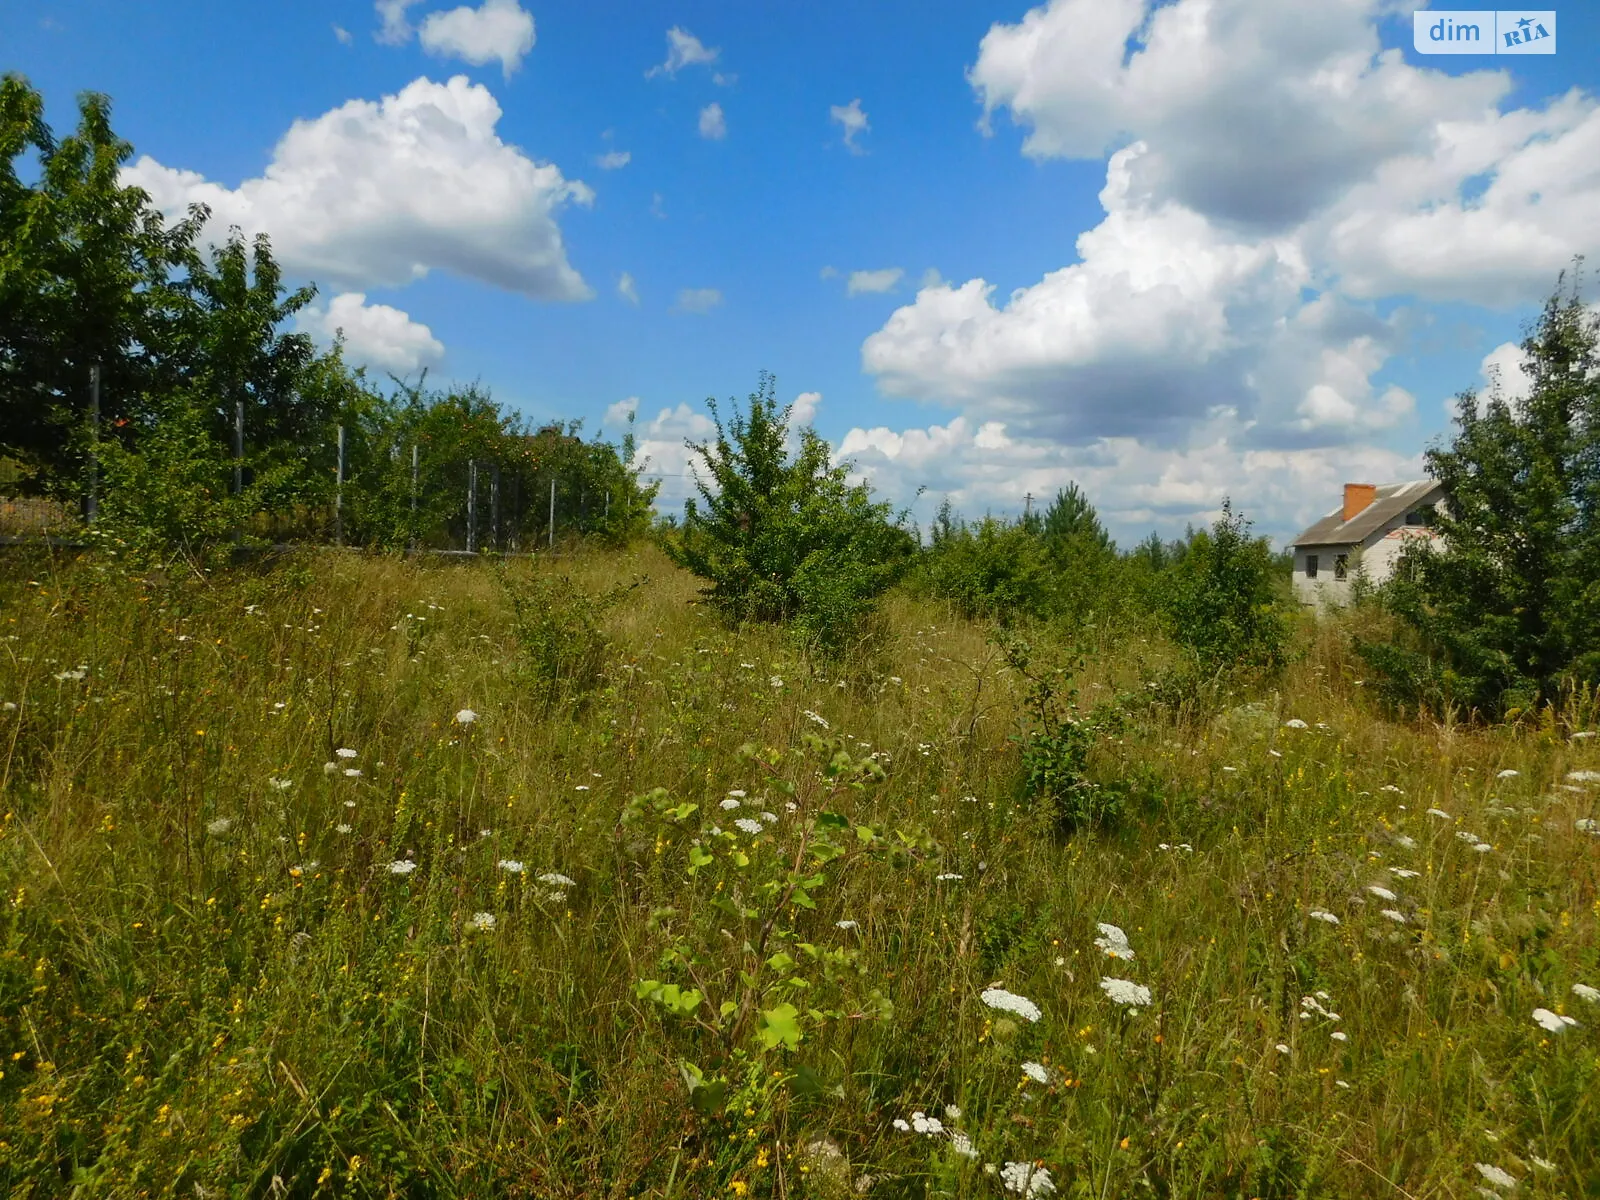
1037, 1072
1404, 842
466, 717
952, 1113
1552, 1022
1586, 825
1389, 787
330, 768
1583, 776
483, 921
1482, 847
557, 880
344, 752
512, 866
1508, 773
846, 924
1339, 1083
1113, 941
1584, 992
947, 877
1295, 723
1126, 992
220, 826
924, 1124
730, 804
1025, 1179
1381, 892
1395, 915
72, 676
1543, 1164
1403, 873
768, 817
1338, 1036
352, 772
402, 866
1281, 1048
997, 997
280, 785
776, 681
962, 1144
343, 828
1323, 915
902, 1126
816, 718
748, 826
1440, 813
1496, 1176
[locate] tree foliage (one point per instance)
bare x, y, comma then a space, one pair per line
785, 537
1223, 600
1505, 606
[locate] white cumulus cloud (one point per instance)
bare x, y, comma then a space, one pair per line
698, 300
713, 124
497, 31
853, 121
380, 193
342, 34
627, 288
614, 160
684, 50
375, 335
394, 28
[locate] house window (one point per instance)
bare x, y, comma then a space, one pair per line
1311, 566
1341, 565
1415, 517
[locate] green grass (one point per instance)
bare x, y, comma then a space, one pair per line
208, 989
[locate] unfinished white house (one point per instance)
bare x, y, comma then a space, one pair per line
1366, 534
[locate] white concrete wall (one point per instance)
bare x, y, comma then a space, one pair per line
1376, 557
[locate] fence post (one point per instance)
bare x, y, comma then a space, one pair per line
413, 538
338, 494
472, 505
238, 447
94, 442
494, 506
552, 512
516, 512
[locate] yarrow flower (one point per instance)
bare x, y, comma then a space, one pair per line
730, 804
1295, 723
512, 865
1583, 776
343, 828
1584, 992
1113, 941
466, 717
748, 826
1508, 773
1027, 1180
816, 718
1552, 1022
1126, 992
1496, 1176
280, 785
344, 752
1440, 813
998, 997
845, 924
1382, 893
1318, 914
947, 877
1395, 915
402, 866
483, 921
1037, 1072
924, 1124
557, 880
962, 1144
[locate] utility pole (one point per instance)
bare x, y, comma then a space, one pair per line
94, 442
494, 506
1027, 506
413, 538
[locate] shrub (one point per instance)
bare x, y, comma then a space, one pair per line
786, 539
1222, 603
558, 627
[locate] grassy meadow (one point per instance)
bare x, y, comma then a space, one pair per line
330, 878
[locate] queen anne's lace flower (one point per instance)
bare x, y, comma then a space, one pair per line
1323, 915
220, 826
1395, 915
1381, 892
1126, 992
1552, 1022
1037, 1072
962, 1144
1026, 1179
748, 826
483, 921
402, 866
1010, 1002
922, 1123
512, 866
344, 752
1294, 723
1113, 941
1496, 1176
466, 717
557, 880
1584, 992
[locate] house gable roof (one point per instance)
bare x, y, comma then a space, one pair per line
1392, 500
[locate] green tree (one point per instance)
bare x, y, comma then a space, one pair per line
781, 538
1222, 600
1505, 606
1071, 524
86, 276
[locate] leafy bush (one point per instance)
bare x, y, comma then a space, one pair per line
1223, 602
786, 539
558, 627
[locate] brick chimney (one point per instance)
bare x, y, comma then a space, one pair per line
1357, 496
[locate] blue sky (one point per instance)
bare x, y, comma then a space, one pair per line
1176, 251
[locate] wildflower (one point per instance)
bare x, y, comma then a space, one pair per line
1381, 892
776, 681
512, 866
1339, 1083
922, 1123
1584, 992
280, 785
1551, 1022
1583, 776
330, 768
952, 1113
1440, 813
947, 877
730, 804
1036, 1072
998, 997
1586, 825
1339, 1036
746, 825
1395, 915
737, 794
220, 826
1389, 787
1403, 873
902, 1126
1496, 1176
962, 1144
1404, 842
482, 921
1282, 1048
1026, 1180
466, 717
72, 676
342, 828
352, 772
344, 752
1543, 1164
1295, 723
845, 924
1482, 847
402, 866
1113, 941
1126, 992
816, 718
769, 818
1508, 773
556, 880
